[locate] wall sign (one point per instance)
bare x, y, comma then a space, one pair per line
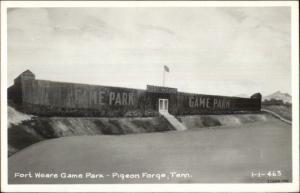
161, 89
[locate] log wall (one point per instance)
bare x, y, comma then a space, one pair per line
48, 98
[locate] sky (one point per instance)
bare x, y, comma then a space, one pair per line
211, 50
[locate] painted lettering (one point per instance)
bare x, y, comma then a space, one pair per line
124, 98
130, 101
227, 104
221, 103
111, 97
207, 103
202, 102
215, 102
101, 97
191, 102
121, 98
196, 102
118, 99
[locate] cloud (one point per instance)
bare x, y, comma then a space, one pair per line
144, 27
238, 14
204, 47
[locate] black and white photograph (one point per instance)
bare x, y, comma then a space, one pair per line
140, 93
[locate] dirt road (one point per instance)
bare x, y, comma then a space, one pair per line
216, 155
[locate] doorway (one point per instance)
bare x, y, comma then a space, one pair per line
163, 105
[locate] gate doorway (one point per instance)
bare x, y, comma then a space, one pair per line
163, 105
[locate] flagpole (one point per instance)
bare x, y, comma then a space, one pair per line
164, 76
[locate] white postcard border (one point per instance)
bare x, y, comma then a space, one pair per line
280, 187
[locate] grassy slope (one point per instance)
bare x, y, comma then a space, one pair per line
219, 154
203, 121
26, 130
16, 117
282, 110
41, 128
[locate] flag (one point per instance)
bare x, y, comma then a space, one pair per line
166, 68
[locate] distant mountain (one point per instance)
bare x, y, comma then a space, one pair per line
285, 97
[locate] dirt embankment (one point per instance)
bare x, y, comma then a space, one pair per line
25, 130
206, 121
284, 111
15, 117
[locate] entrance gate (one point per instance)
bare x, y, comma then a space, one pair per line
163, 105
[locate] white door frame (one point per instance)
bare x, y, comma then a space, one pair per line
163, 105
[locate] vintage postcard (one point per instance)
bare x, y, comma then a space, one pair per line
149, 96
